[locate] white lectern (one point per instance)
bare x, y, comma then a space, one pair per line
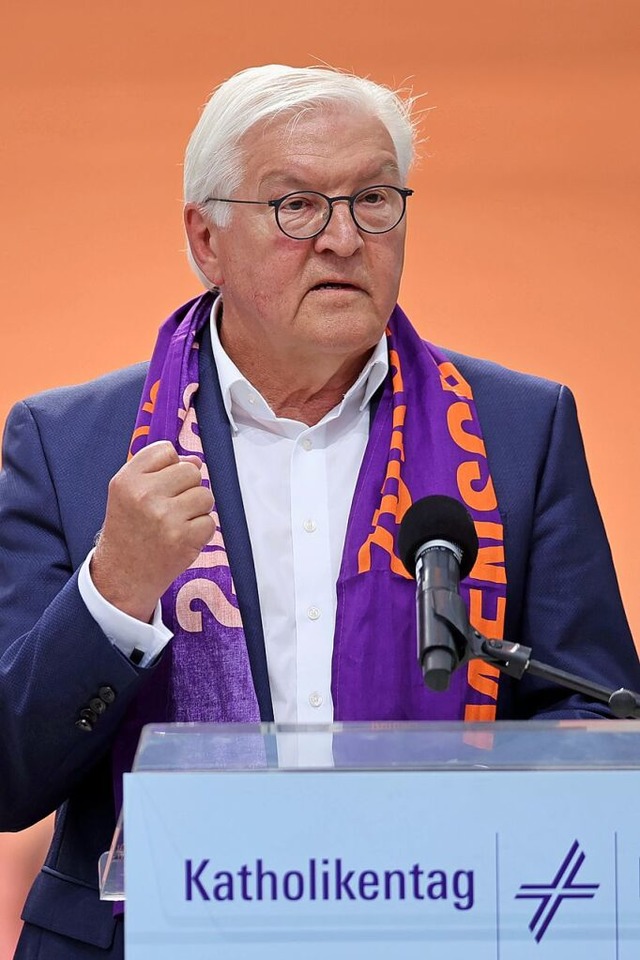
506, 841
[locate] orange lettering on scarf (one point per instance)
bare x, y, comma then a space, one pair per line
138, 432
483, 678
483, 499
396, 379
488, 530
480, 713
457, 414
394, 505
397, 435
489, 565
149, 405
459, 386
394, 502
484, 569
399, 415
381, 537
393, 470
493, 628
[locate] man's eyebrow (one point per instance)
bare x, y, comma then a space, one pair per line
290, 183
286, 181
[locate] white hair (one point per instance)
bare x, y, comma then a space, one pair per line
214, 162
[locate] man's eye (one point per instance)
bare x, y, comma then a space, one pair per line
295, 204
372, 197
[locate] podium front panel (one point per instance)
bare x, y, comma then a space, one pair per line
460, 841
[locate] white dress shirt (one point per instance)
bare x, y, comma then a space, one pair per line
297, 485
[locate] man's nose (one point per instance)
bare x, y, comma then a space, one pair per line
341, 234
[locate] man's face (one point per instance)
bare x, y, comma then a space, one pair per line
271, 284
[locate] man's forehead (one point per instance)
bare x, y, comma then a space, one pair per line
287, 150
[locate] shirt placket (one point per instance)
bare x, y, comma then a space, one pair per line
314, 586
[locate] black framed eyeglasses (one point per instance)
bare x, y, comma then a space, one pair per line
305, 214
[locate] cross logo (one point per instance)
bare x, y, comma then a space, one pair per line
562, 887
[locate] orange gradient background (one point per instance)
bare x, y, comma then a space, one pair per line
524, 230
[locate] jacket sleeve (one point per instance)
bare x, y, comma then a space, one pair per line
54, 659
572, 614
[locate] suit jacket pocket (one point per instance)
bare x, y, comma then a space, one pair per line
69, 908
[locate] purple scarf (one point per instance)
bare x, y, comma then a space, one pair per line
425, 438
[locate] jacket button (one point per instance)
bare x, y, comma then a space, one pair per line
88, 715
97, 705
84, 725
107, 694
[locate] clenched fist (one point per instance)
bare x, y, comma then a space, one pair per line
157, 521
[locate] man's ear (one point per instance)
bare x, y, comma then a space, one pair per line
202, 239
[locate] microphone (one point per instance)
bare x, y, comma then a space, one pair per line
438, 545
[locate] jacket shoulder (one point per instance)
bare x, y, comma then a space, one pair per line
486, 375
74, 439
517, 410
98, 415
119, 388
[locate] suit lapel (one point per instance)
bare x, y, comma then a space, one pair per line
215, 433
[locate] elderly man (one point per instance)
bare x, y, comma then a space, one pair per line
248, 485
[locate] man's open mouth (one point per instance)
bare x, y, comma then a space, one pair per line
335, 286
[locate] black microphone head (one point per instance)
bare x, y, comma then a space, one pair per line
437, 518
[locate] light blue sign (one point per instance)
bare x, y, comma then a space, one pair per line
277, 865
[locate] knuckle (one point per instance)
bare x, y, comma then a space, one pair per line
119, 478
209, 526
120, 485
149, 505
156, 455
174, 538
202, 531
191, 473
205, 499
162, 446
142, 497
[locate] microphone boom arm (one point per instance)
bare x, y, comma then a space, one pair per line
514, 659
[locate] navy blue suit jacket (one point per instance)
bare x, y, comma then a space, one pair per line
61, 449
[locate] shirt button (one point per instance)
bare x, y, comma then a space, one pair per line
307, 443
316, 699
309, 526
313, 613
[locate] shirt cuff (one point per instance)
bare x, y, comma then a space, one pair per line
138, 641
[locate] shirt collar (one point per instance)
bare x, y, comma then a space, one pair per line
235, 387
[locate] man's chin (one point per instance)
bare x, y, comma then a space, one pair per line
347, 335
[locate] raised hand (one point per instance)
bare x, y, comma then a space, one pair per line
157, 521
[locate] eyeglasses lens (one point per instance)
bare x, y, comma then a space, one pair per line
302, 215
378, 210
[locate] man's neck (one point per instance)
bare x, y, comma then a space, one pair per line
297, 388
305, 399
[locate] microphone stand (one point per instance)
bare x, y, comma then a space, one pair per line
514, 659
